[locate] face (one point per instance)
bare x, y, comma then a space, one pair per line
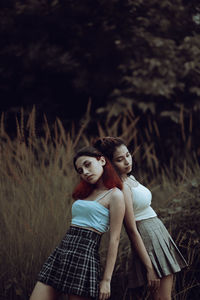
90, 168
122, 160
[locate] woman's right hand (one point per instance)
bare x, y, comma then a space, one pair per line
104, 292
153, 280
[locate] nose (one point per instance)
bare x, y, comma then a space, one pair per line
126, 161
85, 171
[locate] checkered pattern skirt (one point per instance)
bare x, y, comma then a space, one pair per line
163, 252
74, 266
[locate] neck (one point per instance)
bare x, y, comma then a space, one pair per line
123, 177
100, 186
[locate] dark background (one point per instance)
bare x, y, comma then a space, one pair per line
133, 58
58, 54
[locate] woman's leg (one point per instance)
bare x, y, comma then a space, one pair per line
46, 292
74, 297
42, 291
165, 289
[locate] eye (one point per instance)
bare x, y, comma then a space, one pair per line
80, 171
87, 164
128, 154
119, 159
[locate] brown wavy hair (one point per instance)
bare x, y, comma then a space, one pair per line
107, 145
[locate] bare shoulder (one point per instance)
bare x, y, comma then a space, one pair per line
117, 193
127, 191
117, 203
126, 188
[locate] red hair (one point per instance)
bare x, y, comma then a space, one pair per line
110, 179
83, 190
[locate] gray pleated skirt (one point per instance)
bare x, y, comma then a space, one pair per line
163, 252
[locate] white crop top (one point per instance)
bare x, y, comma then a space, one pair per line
142, 202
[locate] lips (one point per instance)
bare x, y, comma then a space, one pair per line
128, 167
89, 177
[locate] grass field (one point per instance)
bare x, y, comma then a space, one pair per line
36, 182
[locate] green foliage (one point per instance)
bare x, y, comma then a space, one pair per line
162, 52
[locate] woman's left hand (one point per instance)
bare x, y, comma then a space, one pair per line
104, 290
153, 280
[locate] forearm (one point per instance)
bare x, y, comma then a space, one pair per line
138, 244
111, 259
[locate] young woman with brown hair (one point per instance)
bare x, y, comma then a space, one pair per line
163, 254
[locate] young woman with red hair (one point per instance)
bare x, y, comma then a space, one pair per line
73, 268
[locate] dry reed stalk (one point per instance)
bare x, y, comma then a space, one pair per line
73, 130
62, 132
46, 130
31, 124
18, 130
171, 164
22, 123
44, 144
56, 134
185, 282
182, 171
189, 141
181, 120
124, 124
135, 151
101, 132
128, 133
156, 128
86, 140
147, 134
112, 130
2, 127
190, 123
110, 114
130, 113
151, 158
184, 293
84, 124
149, 124
135, 139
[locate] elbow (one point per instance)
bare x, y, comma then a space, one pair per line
132, 232
114, 241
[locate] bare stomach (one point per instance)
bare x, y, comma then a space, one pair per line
89, 228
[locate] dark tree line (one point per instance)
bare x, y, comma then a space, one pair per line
59, 53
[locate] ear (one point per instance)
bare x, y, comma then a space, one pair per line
103, 161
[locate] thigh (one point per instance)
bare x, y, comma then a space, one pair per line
44, 292
75, 297
165, 289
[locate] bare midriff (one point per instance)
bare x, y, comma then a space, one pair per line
89, 228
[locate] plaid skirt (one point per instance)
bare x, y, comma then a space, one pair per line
163, 252
74, 266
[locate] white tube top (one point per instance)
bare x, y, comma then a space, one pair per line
142, 202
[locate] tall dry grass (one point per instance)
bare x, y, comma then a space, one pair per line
36, 181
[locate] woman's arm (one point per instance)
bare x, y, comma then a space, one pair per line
135, 238
117, 210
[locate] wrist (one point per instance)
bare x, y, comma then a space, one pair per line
149, 268
106, 279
